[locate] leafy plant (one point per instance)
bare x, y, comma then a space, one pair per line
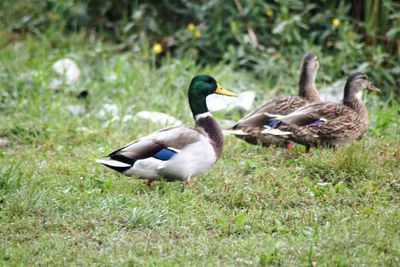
263, 37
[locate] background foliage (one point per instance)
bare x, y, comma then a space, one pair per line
262, 36
257, 206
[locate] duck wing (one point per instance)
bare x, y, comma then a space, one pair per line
312, 114
279, 106
162, 145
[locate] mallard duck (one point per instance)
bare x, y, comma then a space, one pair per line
326, 123
249, 128
176, 153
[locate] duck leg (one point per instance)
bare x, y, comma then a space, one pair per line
188, 182
289, 146
308, 149
149, 183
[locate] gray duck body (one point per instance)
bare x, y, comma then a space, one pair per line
176, 153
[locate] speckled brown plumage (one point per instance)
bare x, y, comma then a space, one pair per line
254, 123
344, 122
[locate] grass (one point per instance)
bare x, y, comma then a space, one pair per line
257, 206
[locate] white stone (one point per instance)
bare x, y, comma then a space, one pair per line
109, 111
27, 76
218, 102
68, 71
112, 77
75, 109
243, 101
67, 68
333, 92
3, 142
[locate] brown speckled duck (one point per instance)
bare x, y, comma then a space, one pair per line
326, 123
176, 153
249, 128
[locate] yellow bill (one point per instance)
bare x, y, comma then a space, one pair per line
372, 88
222, 91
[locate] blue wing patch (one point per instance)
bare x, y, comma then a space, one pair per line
164, 154
274, 123
318, 122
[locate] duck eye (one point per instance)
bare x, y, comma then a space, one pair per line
209, 80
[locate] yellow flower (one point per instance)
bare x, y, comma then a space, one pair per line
157, 48
191, 27
269, 12
330, 43
197, 34
335, 22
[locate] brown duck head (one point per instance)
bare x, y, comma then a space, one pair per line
309, 69
357, 82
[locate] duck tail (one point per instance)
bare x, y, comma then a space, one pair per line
114, 164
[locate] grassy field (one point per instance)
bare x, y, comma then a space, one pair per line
257, 206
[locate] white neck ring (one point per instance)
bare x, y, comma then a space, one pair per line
203, 115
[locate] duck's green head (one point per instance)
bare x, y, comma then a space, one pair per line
200, 87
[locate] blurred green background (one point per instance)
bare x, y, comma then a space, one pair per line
263, 37
257, 206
